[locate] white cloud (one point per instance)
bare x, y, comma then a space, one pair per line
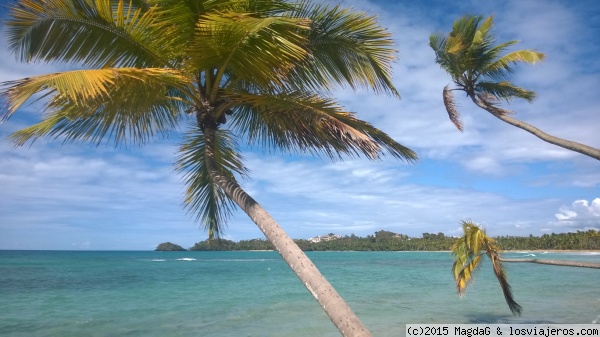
581, 211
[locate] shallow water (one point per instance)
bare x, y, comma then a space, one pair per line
53, 293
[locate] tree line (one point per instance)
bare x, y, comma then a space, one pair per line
390, 241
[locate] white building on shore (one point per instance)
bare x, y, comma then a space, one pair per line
327, 237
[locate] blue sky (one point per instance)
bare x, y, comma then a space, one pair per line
79, 196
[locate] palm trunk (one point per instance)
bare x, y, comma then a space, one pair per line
557, 263
567, 144
500, 273
335, 307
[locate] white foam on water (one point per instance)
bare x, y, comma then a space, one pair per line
158, 260
239, 260
587, 253
186, 259
529, 255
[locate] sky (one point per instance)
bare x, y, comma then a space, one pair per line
88, 197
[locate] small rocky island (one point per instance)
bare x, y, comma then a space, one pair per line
169, 247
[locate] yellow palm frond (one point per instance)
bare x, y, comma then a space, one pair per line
463, 273
80, 87
123, 103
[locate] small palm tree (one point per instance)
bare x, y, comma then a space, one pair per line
263, 68
468, 251
478, 68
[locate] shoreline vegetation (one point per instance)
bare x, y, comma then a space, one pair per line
390, 241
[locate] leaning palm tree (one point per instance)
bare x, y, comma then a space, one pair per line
478, 68
221, 71
468, 251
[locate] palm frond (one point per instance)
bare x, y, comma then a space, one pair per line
500, 273
527, 56
464, 272
203, 197
451, 108
448, 51
484, 30
347, 47
467, 257
79, 31
500, 68
296, 122
249, 48
124, 104
504, 90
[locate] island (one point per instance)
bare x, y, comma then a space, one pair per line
169, 247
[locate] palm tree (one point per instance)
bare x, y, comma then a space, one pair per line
468, 251
477, 67
263, 68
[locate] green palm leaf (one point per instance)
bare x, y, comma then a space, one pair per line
347, 48
299, 122
61, 30
203, 196
247, 47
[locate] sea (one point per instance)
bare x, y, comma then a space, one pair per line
254, 293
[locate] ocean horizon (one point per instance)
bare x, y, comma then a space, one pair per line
254, 293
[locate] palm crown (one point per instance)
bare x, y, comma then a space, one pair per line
263, 68
476, 65
468, 251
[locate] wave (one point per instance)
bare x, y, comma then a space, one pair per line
239, 260
158, 260
186, 259
587, 253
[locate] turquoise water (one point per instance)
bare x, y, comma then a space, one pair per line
54, 293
